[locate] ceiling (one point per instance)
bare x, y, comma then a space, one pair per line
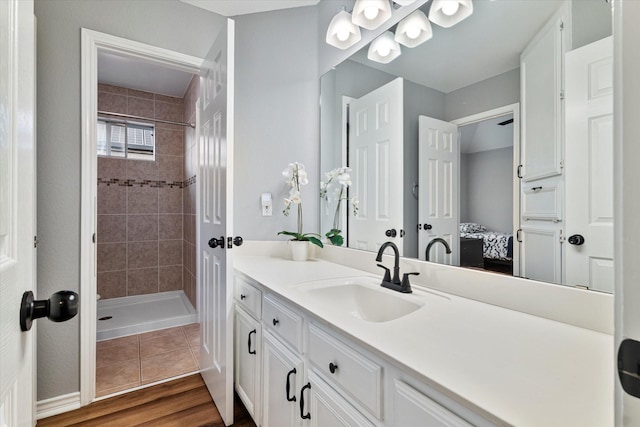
486, 135
491, 39
243, 7
135, 73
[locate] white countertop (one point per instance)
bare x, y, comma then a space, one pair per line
521, 369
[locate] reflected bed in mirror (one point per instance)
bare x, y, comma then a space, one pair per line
469, 138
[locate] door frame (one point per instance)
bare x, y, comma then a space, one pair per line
91, 43
490, 114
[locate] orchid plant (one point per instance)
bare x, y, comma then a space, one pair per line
295, 176
341, 177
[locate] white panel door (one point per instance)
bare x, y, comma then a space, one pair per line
375, 155
17, 209
438, 185
541, 77
214, 220
589, 168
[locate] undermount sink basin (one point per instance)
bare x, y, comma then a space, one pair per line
362, 298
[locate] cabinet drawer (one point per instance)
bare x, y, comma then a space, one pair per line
413, 408
283, 321
247, 296
347, 369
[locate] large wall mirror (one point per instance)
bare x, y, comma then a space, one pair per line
489, 146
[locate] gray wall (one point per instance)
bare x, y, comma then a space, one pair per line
276, 117
591, 20
488, 178
494, 92
418, 101
165, 23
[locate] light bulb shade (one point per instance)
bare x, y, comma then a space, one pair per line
404, 2
413, 30
384, 49
362, 8
342, 33
439, 17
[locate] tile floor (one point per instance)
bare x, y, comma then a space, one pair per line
127, 362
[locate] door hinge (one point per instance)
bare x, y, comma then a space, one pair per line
93, 238
35, 241
561, 164
562, 238
518, 237
561, 25
562, 94
519, 171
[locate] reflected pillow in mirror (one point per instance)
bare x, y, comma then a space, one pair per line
471, 227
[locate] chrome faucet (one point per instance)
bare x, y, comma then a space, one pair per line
401, 286
434, 241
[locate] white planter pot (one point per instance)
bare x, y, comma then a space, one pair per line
299, 250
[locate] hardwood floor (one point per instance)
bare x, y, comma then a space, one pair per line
184, 402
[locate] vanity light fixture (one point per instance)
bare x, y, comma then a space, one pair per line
370, 14
384, 49
447, 13
413, 30
342, 33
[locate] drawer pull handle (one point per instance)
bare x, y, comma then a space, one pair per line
302, 415
275, 321
249, 344
242, 296
333, 367
293, 398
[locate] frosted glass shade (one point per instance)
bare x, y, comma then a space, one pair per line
370, 14
447, 13
413, 30
342, 33
384, 49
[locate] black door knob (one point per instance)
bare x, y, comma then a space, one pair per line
61, 306
391, 233
214, 243
237, 241
428, 226
576, 239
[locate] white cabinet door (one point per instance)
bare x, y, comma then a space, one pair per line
375, 155
541, 169
283, 376
540, 257
412, 408
541, 103
321, 406
248, 337
589, 169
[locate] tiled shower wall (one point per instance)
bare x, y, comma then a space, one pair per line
140, 216
189, 191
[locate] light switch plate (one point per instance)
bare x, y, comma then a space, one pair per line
267, 204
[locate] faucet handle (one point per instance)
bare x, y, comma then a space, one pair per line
387, 275
406, 286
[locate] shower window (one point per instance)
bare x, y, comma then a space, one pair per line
126, 139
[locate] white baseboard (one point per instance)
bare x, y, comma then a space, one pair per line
57, 405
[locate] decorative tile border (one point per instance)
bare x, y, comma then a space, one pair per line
146, 183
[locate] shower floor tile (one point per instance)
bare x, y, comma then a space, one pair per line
135, 360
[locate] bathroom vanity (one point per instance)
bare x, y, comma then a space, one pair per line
321, 343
